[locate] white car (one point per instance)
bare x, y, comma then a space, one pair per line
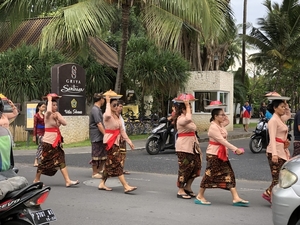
286, 194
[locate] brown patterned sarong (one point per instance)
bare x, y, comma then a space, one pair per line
275, 169
189, 167
123, 152
296, 148
52, 159
98, 153
113, 163
218, 174
40, 147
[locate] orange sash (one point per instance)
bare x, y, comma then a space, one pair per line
222, 154
58, 136
279, 140
112, 139
186, 134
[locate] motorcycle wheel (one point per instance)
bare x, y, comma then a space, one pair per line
254, 144
152, 146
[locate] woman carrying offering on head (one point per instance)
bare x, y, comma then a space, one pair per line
218, 172
53, 156
189, 158
113, 132
277, 150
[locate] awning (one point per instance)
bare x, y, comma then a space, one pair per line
30, 31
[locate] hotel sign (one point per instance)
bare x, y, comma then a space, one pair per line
68, 80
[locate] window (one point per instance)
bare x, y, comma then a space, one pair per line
204, 99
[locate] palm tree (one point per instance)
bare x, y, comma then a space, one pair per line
277, 38
199, 33
195, 32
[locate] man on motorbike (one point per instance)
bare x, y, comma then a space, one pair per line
171, 120
9, 181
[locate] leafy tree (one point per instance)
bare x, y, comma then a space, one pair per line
278, 40
155, 72
241, 87
26, 74
203, 25
99, 78
199, 33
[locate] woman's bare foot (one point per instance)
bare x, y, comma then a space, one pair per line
129, 189
72, 183
240, 200
202, 199
104, 187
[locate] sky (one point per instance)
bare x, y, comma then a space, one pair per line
255, 10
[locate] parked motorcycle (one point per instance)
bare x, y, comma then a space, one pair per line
156, 142
260, 139
23, 207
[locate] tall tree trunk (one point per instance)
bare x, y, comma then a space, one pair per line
126, 6
244, 50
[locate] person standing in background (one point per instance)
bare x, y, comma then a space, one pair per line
262, 110
97, 131
38, 129
246, 115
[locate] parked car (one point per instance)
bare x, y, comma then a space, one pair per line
286, 194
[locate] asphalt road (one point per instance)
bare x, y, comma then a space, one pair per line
155, 201
248, 166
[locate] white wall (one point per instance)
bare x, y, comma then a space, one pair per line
211, 81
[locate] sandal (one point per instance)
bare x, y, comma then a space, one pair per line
190, 193
266, 197
183, 196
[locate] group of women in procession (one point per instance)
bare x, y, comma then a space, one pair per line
110, 152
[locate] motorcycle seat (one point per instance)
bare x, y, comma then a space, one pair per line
20, 192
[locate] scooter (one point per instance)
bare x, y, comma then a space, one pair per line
156, 142
260, 139
21, 206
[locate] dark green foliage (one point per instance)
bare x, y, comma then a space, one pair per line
154, 72
99, 78
25, 74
